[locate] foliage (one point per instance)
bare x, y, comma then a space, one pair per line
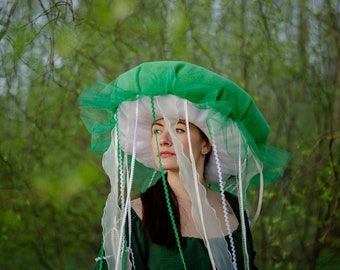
52, 189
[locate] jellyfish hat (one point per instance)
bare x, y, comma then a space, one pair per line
120, 114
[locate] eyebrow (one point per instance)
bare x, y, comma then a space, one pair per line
157, 124
182, 122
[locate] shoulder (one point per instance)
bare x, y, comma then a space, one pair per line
137, 206
214, 199
214, 196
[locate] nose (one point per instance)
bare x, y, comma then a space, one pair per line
164, 138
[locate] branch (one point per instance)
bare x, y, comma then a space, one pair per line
11, 12
333, 164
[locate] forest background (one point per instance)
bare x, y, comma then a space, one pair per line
52, 187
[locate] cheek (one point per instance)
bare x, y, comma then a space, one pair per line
153, 145
196, 146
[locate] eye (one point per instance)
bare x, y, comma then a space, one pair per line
156, 131
180, 130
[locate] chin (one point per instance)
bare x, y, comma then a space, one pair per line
169, 167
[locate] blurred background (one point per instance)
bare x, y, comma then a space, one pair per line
286, 54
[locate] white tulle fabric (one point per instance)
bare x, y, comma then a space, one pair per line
231, 157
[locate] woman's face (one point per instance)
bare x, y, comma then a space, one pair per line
200, 145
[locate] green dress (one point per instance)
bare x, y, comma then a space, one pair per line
150, 256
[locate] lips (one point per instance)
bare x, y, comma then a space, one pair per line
165, 154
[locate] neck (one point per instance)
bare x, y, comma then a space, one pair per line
177, 186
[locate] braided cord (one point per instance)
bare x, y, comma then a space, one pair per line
126, 248
123, 254
224, 203
241, 206
120, 161
127, 206
166, 191
101, 255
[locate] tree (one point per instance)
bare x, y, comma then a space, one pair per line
52, 189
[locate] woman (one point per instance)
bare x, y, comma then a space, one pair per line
177, 132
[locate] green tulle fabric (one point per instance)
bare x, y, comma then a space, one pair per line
204, 88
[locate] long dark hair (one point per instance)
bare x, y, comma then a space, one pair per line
156, 222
